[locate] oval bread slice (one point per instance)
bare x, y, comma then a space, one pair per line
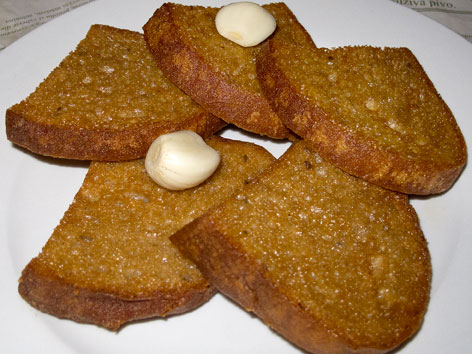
333, 263
106, 101
110, 261
372, 112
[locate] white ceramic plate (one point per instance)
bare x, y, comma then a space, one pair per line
35, 191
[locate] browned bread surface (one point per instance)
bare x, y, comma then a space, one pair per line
110, 261
333, 263
106, 101
372, 112
217, 73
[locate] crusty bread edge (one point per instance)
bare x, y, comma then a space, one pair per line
42, 289
242, 279
98, 145
189, 71
354, 154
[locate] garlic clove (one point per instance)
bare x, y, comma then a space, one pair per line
180, 160
245, 23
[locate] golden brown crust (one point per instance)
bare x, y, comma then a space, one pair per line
98, 144
352, 150
43, 290
86, 113
189, 70
237, 257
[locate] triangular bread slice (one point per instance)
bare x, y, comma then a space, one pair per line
110, 261
106, 101
333, 263
218, 74
372, 112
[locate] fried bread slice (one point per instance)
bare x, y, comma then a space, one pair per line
372, 112
333, 263
217, 73
107, 101
110, 261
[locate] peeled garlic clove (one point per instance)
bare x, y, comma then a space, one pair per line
245, 23
180, 160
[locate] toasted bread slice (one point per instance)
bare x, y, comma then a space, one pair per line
110, 260
106, 101
218, 74
372, 112
333, 263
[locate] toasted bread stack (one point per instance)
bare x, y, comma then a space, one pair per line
321, 244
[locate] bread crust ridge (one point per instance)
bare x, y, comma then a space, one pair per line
45, 291
98, 145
